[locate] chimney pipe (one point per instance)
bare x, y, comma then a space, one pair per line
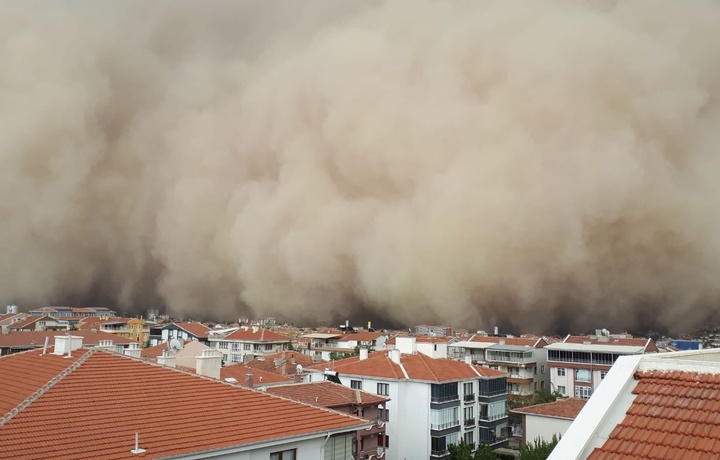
249, 379
395, 355
363, 353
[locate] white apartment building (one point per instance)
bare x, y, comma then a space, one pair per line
246, 343
433, 402
579, 364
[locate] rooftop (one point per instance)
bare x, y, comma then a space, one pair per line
325, 394
563, 408
256, 335
60, 424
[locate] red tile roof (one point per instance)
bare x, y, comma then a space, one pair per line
630, 342
562, 408
155, 351
288, 367
260, 377
362, 336
417, 366
31, 320
675, 415
256, 335
189, 413
326, 394
199, 330
37, 338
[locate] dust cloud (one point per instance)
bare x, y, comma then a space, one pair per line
542, 165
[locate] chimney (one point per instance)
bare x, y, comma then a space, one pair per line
363, 353
66, 344
249, 379
255, 329
166, 359
407, 345
209, 364
133, 351
496, 331
395, 356
298, 378
468, 359
347, 324
502, 342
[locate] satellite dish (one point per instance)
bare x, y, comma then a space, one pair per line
175, 345
299, 368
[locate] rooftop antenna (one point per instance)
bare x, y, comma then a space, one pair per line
47, 339
299, 368
137, 449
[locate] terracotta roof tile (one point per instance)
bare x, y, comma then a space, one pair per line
417, 366
325, 394
260, 377
37, 338
362, 336
257, 335
199, 330
61, 425
514, 341
287, 364
564, 408
674, 416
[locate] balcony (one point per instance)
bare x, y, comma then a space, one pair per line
513, 357
443, 399
470, 422
469, 398
439, 453
444, 426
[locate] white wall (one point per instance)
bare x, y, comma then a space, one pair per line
544, 427
312, 449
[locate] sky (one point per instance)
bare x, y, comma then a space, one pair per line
545, 166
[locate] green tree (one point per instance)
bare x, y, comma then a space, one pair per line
538, 449
462, 451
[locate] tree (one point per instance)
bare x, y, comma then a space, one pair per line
539, 449
463, 451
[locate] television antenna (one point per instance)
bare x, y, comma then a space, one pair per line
175, 345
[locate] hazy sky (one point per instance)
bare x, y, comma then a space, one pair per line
544, 165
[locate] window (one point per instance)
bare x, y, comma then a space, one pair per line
583, 375
561, 390
468, 392
469, 416
469, 439
235, 358
542, 369
561, 372
384, 415
246, 346
383, 441
603, 374
268, 347
235, 347
492, 387
356, 384
442, 419
289, 454
223, 345
383, 389
444, 392
583, 392
542, 384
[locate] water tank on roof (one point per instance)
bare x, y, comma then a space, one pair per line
12, 309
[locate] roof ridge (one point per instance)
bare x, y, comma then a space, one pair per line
43, 389
428, 367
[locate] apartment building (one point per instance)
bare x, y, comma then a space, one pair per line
368, 442
70, 402
433, 402
579, 364
656, 405
180, 330
524, 359
245, 343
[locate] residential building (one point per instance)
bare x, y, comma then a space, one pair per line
434, 347
142, 410
283, 363
59, 312
181, 331
129, 328
245, 343
434, 330
244, 375
15, 342
579, 364
11, 317
436, 402
659, 405
524, 359
367, 443
543, 421
367, 339
36, 323
185, 357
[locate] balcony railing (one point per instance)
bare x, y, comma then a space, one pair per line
491, 418
469, 398
442, 399
510, 357
439, 453
444, 426
470, 422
